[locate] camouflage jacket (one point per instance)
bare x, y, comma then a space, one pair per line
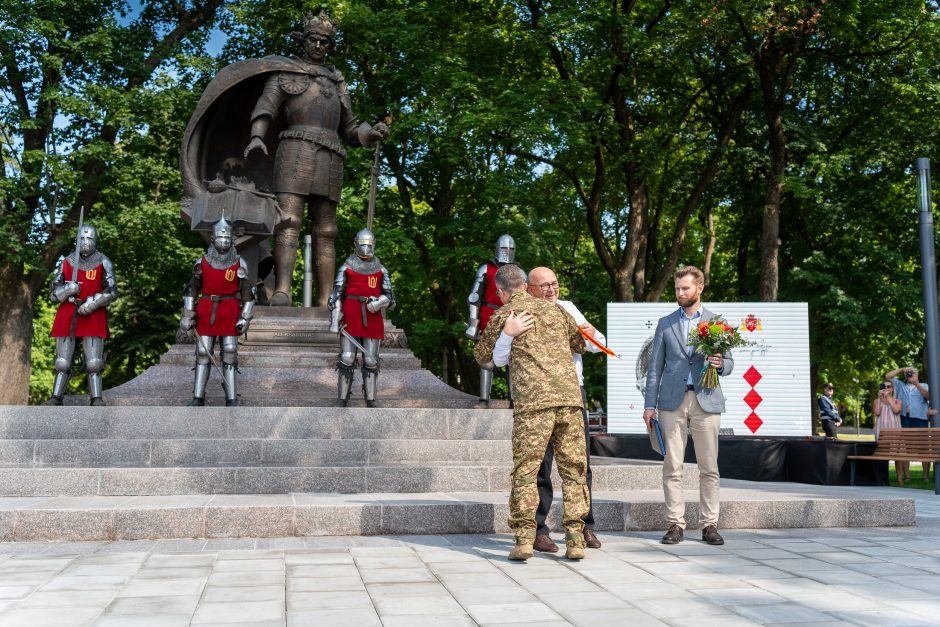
543, 374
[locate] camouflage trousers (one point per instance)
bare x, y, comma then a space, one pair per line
531, 433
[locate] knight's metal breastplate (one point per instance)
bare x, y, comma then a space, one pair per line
311, 101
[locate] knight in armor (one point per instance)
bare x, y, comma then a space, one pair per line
218, 302
82, 313
483, 301
308, 168
361, 292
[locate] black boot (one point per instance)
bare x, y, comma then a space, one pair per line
54, 401
97, 401
231, 402
197, 402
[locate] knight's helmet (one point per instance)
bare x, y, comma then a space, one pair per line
365, 244
222, 235
505, 250
87, 240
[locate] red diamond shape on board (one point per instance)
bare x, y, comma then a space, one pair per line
752, 376
753, 399
753, 422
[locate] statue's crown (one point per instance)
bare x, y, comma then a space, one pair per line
321, 23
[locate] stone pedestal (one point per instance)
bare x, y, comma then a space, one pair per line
288, 358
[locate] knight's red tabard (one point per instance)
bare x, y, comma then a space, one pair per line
491, 301
224, 284
93, 325
362, 286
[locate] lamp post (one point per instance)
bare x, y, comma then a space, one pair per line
929, 278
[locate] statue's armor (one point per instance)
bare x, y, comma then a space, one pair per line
225, 300
96, 278
483, 301
361, 292
97, 289
317, 112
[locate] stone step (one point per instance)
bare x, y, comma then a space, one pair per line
289, 357
158, 453
230, 516
350, 479
165, 423
163, 385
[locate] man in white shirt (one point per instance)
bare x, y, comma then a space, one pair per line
544, 284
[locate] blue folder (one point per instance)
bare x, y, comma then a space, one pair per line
656, 438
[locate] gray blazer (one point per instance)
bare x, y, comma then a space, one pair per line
670, 365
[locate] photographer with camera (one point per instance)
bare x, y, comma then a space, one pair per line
914, 397
887, 410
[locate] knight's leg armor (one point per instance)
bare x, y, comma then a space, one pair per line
64, 353
324, 248
230, 368
509, 386
486, 381
370, 369
204, 347
345, 368
286, 241
94, 365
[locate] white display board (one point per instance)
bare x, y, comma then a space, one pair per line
768, 392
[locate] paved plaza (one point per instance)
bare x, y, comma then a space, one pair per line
863, 576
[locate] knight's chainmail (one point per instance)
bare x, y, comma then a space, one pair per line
90, 262
363, 266
221, 261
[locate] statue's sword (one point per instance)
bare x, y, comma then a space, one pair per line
343, 331
78, 245
373, 186
212, 360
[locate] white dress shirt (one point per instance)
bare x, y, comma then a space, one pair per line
504, 342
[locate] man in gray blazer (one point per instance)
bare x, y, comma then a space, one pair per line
682, 405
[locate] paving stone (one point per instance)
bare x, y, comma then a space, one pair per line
334, 618
329, 600
154, 605
491, 613
237, 579
238, 612
591, 618
780, 612
222, 594
50, 617
144, 620
162, 588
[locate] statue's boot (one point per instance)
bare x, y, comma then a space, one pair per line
344, 383
369, 377
59, 385
285, 260
199, 386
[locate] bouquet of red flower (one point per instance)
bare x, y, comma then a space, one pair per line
712, 337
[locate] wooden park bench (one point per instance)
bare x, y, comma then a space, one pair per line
903, 445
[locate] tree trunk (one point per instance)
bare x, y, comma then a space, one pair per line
16, 332
770, 234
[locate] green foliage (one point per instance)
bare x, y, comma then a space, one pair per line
590, 134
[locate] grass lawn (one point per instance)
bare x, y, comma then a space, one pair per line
917, 477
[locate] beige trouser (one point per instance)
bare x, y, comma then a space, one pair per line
704, 427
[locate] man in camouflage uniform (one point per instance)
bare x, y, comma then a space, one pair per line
547, 406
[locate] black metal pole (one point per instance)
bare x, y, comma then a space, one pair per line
929, 278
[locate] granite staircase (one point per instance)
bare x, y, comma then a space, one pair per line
141, 472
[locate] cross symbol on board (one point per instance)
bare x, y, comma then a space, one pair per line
649, 324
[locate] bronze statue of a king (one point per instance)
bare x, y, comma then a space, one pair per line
265, 141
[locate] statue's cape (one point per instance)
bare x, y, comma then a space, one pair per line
220, 127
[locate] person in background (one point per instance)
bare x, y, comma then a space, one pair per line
887, 410
828, 414
914, 397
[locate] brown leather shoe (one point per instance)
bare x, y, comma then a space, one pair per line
590, 539
673, 535
544, 544
711, 536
